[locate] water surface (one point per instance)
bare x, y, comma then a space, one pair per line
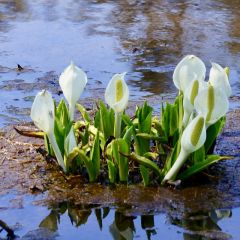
145, 38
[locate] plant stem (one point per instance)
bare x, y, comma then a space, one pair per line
172, 173
117, 126
57, 151
71, 111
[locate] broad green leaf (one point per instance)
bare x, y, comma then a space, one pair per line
199, 155
71, 157
106, 120
85, 136
212, 133
126, 119
128, 135
89, 165
112, 171
145, 175
120, 148
172, 158
145, 162
83, 112
151, 137
173, 120
199, 166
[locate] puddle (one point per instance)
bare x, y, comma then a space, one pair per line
145, 38
69, 221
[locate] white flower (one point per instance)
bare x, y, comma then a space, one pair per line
116, 96
218, 77
190, 68
72, 81
190, 94
42, 111
42, 114
117, 93
212, 103
192, 139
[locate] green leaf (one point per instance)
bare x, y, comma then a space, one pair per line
83, 112
199, 155
172, 158
62, 125
95, 155
89, 165
145, 162
173, 120
119, 149
71, 157
152, 155
112, 171
212, 133
126, 119
128, 135
145, 175
85, 136
151, 137
199, 166
106, 121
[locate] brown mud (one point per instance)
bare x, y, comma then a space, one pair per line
25, 171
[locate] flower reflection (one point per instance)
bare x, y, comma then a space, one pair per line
121, 224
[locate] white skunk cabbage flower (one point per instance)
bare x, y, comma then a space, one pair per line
190, 94
72, 81
117, 93
212, 103
42, 111
116, 96
42, 114
218, 77
190, 68
193, 138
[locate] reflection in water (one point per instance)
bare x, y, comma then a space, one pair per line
123, 226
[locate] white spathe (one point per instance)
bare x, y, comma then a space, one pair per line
117, 93
194, 135
72, 81
193, 138
116, 96
212, 103
219, 78
42, 114
190, 94
190, 68
42, 111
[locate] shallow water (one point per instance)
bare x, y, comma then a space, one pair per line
144, 38
67, 221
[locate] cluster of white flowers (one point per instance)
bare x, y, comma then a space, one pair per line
204, 103
72, 82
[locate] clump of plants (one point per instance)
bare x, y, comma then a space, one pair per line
175, 145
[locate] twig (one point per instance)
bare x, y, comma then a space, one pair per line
9, 231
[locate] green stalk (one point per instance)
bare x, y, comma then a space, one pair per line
71, 111
56, 150
117, 126
172, 173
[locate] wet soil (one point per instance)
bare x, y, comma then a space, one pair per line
24, 170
